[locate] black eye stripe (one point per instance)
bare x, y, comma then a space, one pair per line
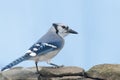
63, 27
56, 28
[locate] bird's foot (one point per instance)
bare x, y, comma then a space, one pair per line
58, 66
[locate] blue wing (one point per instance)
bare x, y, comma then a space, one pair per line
36, 49
40, 49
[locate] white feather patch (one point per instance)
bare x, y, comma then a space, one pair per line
53, 46
33, 54
37, 44
35, 49
28, 51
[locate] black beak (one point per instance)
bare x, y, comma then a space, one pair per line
72, 31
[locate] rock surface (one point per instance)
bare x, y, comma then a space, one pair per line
105, 71
46, 73
98, 72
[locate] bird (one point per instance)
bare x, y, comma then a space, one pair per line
47, 47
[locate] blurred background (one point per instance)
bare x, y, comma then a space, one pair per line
23, 22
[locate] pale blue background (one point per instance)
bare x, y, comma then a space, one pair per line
23, 22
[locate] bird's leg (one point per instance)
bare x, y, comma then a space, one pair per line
36, 66
55, 65
39, 77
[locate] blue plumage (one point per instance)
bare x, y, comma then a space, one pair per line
46, 47
42, 48
15, 62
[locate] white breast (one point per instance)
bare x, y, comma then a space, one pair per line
45, 57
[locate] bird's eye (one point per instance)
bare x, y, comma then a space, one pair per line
63, 27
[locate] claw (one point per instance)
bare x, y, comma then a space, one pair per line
58, 66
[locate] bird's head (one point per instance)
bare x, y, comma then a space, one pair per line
62, 30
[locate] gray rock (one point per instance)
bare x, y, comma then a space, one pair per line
105, 71
46, 73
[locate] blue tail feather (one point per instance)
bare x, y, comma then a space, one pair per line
15, 62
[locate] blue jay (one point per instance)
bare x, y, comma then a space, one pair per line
46, 47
